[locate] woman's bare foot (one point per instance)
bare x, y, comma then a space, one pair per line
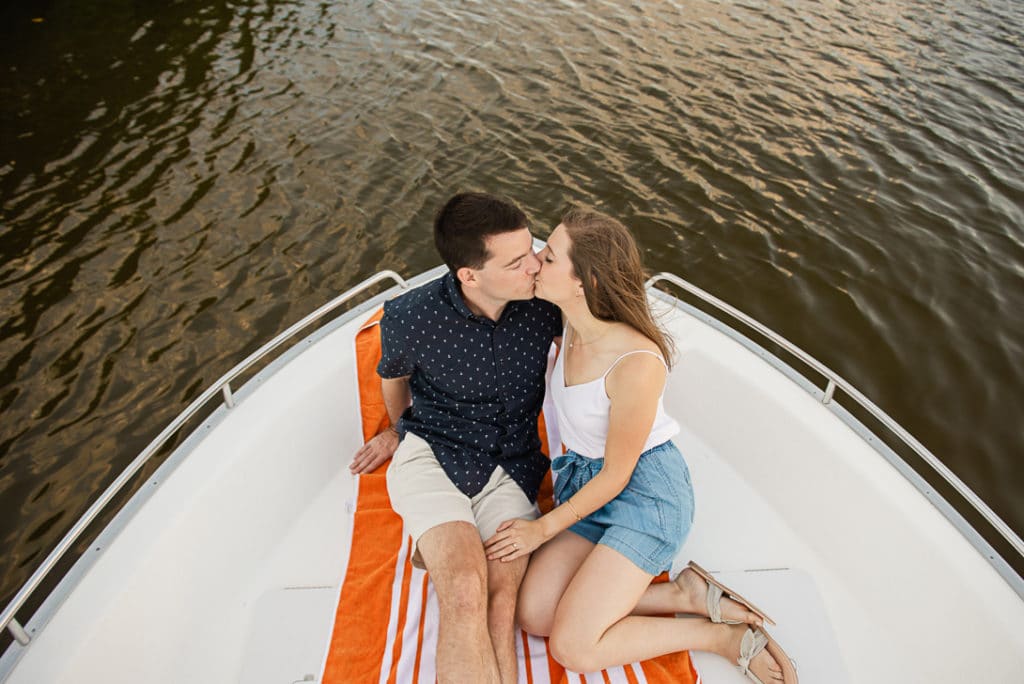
763, 665
693, 591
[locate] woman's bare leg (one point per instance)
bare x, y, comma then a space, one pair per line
554, 564
688, 594
552, 567
593, 628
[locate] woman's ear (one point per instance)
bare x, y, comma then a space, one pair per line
579, 285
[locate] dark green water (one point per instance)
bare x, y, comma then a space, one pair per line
179, 181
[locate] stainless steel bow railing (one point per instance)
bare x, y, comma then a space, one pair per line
223, 385
834, 381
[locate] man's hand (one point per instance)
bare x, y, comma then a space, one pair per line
375, 452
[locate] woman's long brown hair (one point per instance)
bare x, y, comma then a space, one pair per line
606, 259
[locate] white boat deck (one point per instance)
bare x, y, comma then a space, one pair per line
782, 483
228, 569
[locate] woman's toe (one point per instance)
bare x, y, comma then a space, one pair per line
766, 663
735, 611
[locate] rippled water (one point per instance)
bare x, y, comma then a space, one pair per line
179, 182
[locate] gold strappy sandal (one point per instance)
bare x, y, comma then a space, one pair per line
756, 640
714, 598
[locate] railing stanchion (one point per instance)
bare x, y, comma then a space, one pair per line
18, 632
829, 391
229, 399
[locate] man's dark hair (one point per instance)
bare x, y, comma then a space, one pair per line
464, 223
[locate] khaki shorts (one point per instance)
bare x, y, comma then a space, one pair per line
423, 495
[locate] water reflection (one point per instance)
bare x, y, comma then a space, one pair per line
183, 181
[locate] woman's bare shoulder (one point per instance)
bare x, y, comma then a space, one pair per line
644, 364
629, 339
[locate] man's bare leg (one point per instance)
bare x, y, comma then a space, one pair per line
454, 557
503, 580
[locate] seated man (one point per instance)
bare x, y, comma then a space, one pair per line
462, 368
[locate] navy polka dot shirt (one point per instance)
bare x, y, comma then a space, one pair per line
477, 385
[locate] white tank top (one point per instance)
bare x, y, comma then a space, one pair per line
583, 410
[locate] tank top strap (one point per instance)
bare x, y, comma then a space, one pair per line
630, 353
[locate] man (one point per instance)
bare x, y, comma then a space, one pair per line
462, 374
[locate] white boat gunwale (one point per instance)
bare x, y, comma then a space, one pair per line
22, 635
67, 583
825, 397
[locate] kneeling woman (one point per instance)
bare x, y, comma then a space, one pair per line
623, 488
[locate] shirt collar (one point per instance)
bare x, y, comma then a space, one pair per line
451, 287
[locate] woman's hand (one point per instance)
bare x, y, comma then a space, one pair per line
514, 539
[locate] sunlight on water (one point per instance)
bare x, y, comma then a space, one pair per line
181, 182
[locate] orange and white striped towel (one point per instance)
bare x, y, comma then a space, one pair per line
385, 627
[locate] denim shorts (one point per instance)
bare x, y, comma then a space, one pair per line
649, 520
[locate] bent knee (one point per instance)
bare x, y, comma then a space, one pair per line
535, 617
573, 653
462, 590
502, 603
503, 594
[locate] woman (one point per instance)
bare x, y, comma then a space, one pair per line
625, 502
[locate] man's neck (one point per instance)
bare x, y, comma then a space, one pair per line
482, 306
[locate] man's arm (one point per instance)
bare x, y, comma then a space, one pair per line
397, 398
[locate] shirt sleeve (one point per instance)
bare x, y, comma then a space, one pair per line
395, 359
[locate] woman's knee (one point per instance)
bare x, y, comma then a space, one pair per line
573, 651
535, 615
